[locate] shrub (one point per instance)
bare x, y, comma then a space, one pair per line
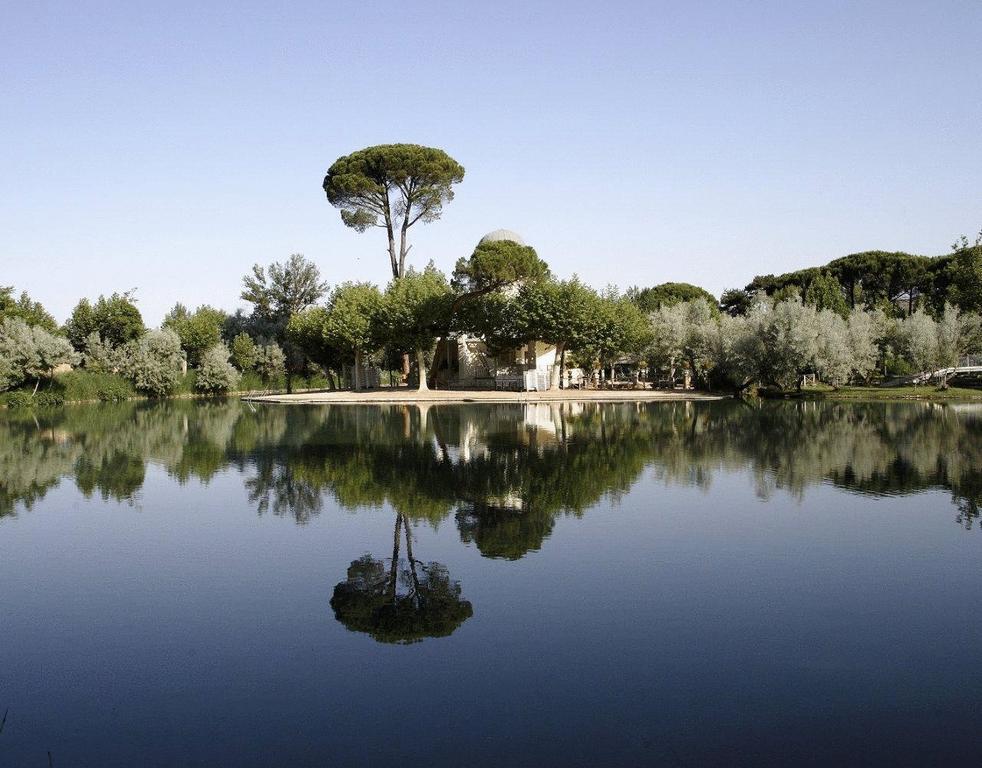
100, 356
83, 385
27, 399
153, 362
216, 373
113, 392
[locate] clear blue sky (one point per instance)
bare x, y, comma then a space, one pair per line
169, 146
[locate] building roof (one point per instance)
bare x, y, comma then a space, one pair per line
502, 234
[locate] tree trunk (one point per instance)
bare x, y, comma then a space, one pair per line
394, 567
403, 248
421, 370
557, 366
393, 261
356, 379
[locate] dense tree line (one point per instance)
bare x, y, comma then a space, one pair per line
858, 317
896, 283
776, 344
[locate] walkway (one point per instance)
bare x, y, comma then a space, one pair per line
403, 395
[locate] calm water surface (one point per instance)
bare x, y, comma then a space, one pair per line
204, 584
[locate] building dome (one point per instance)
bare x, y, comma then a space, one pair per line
502, 234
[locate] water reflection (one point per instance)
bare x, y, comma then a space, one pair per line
503, 472
427, 605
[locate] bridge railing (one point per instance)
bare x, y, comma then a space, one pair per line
970, 361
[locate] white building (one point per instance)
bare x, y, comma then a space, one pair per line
471, 365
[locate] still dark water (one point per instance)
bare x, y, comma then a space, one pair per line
212, 584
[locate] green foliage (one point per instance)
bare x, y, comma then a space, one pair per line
154, 362
894, 281
351, 321
306, 332
565, 313
965, 276
114, 392
24, 399
415, 309
786, 293
86, 385
362, 185
282, 289
620, 330
198, 331
81, 325
824, 292
244, 351
497, 264
31, 312
216, 374
116, 319
670, 294
735, 302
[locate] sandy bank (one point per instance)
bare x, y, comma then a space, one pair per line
402, 395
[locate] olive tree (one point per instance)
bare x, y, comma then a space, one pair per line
959, 333
684, 333
216, 373
30, 353
154, 362
920, 335
100, 356
778, 343
270, 361
865, 332
833, 358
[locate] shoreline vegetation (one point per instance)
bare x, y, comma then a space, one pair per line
860, 321
82, 387
878, 394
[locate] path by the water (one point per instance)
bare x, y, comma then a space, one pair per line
403, 395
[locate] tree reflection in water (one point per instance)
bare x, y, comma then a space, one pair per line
427, 605
505, 472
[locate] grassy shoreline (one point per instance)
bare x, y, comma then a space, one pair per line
80, 387
884, 394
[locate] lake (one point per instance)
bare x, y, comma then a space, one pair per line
214, 583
